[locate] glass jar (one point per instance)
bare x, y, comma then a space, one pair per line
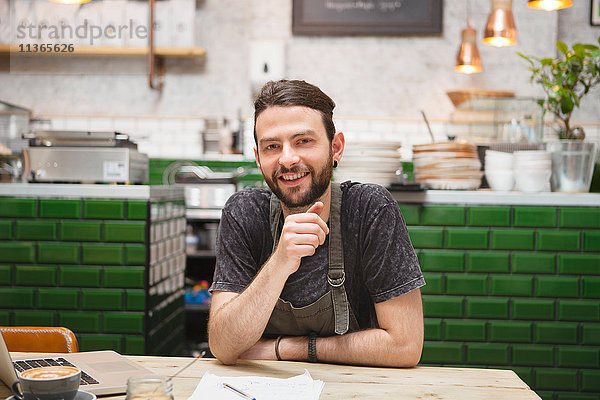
572, 165
155, 388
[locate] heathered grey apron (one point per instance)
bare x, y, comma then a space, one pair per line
331, 313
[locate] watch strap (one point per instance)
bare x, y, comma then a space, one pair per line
312, 348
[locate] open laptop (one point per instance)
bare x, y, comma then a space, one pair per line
102, 372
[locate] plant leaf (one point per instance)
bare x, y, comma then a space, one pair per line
525, 57
566, 104
562, 48
590, 47
579, 51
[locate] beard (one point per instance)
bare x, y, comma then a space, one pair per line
319, 182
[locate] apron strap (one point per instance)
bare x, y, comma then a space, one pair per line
335, 275
274, 217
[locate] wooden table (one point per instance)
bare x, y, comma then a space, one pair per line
348, 382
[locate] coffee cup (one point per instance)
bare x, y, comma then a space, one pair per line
47, 383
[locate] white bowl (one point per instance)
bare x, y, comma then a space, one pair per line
498, 158
532, 155
503, 169
545, 164
500, 180
532, 181
498, 155
494, 164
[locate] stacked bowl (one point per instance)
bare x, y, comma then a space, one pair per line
447, 165
369, 162
532, 170
499, 170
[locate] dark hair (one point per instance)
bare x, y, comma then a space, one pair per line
295, 93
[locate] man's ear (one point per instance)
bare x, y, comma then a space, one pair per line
257, 159
337, 145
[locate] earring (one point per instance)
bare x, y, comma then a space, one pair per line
335, 163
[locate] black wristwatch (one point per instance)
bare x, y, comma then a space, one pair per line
312, 347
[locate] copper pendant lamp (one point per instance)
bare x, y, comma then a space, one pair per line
500, 30
549, 5
467, 59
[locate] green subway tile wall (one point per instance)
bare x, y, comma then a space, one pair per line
93, 266
513, 287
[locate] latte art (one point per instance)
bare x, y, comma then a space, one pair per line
55, 372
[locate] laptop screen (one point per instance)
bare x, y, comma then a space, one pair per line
7, 370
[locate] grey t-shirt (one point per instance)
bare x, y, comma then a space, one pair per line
379, 260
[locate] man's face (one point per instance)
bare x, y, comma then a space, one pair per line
294, 154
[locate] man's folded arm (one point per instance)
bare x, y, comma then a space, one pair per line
237, 321
397, 342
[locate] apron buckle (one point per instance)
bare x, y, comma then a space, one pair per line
337, 282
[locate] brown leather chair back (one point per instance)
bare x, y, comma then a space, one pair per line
39, 339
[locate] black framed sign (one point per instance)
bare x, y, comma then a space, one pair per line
595, 13
367, 17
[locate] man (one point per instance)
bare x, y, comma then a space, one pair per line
311, 270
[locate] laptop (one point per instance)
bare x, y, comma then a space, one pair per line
102, 372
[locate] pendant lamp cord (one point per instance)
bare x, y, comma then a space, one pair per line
468, 12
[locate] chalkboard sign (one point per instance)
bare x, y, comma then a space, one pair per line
367, 17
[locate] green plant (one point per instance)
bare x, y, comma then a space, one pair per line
565, 81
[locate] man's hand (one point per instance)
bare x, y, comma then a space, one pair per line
300, 236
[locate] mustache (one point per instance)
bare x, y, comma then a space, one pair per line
296, 169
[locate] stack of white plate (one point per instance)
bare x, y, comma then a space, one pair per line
369, 162
447, 165
499, 170
532, 170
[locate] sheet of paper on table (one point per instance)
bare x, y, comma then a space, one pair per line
300, 387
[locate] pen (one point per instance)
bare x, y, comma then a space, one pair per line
238, 391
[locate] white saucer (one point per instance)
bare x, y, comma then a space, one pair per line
81, 395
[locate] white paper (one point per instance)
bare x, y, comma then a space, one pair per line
301, 387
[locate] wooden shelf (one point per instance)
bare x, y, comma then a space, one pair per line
103, 51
